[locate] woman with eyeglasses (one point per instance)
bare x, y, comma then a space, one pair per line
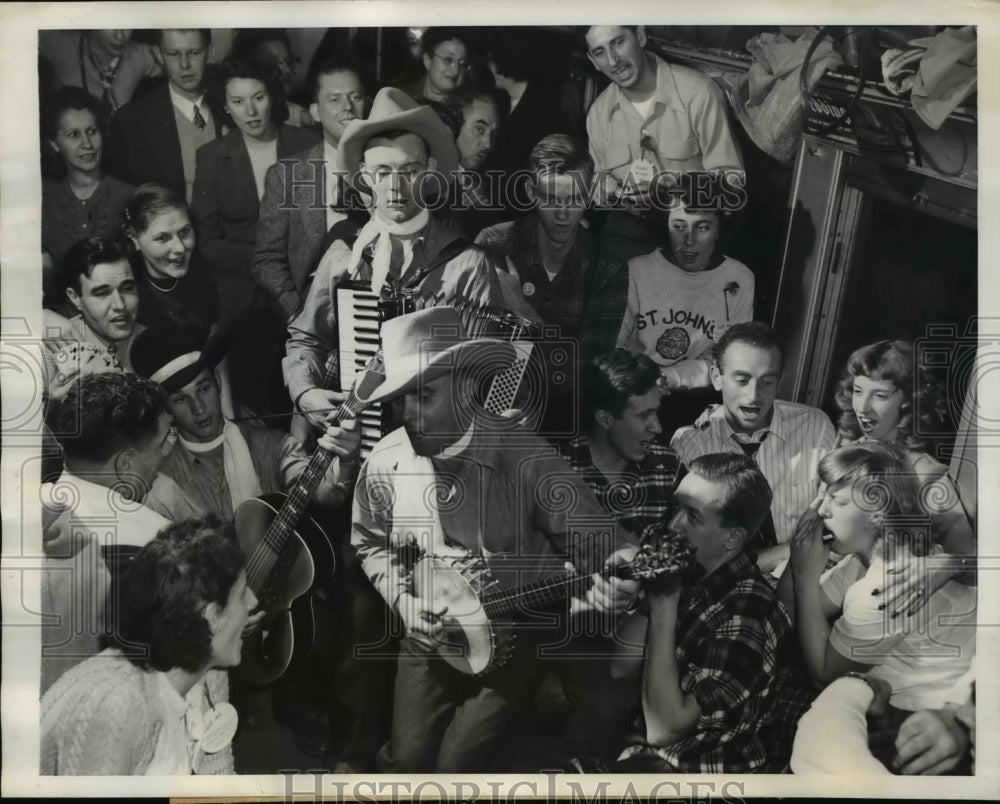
446, 64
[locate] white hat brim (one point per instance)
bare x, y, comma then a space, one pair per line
490, 353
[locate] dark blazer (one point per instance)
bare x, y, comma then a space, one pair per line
144, 143
224, 203
540, 112
291, 229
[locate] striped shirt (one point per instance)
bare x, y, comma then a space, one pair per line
798, 437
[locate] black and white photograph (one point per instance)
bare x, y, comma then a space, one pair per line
476, 401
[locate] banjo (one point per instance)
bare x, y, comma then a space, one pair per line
478, 629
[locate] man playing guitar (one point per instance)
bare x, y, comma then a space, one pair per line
486, 497
216, 465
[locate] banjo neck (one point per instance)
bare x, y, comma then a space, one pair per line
504, 602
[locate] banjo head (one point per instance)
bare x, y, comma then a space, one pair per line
470, 642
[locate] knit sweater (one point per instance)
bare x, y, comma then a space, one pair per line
103, 718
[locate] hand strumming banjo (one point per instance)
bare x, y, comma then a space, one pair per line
478, 630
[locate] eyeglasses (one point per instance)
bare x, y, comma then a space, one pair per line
451, 61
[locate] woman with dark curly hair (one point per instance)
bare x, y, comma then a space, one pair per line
153, 702
229, 177
885, 396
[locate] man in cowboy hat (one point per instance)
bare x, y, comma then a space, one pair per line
452, 483
216, 465
397, 155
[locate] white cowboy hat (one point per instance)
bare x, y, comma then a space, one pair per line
422, 346
394, 110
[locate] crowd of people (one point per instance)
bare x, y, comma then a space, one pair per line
199, 227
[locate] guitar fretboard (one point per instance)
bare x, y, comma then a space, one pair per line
278, 533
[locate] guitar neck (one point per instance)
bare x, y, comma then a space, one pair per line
305, 487
543, 593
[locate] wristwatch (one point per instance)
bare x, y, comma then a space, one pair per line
863, 677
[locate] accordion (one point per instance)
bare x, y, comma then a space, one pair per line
360, 315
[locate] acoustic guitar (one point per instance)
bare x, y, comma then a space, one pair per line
479, 626
287, 552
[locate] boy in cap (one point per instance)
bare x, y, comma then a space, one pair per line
216, 465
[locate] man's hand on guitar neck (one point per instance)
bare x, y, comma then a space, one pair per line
612, 594
422, 618
318, 405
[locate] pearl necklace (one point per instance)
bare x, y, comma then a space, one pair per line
162, 289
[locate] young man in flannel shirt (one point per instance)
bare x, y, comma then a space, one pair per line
628, 468
633, 476
721, 692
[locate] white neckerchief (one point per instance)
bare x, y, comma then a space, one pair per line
236, 462
380, 229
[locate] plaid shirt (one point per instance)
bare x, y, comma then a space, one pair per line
735, 652
642, 496
586, 299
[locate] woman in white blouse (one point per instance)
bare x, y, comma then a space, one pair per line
153, 702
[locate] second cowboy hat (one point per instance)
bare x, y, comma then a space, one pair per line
394, 110
422, 346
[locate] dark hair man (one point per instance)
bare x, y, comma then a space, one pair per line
114, 431
620, 448
719, 692
303, 196
654, 117
785, 439
97, 279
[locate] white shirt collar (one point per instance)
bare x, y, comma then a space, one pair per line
186, 107
93, 491
776, 427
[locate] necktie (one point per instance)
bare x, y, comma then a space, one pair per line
198, 119
766, 536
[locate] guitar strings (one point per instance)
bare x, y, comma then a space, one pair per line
267, 552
